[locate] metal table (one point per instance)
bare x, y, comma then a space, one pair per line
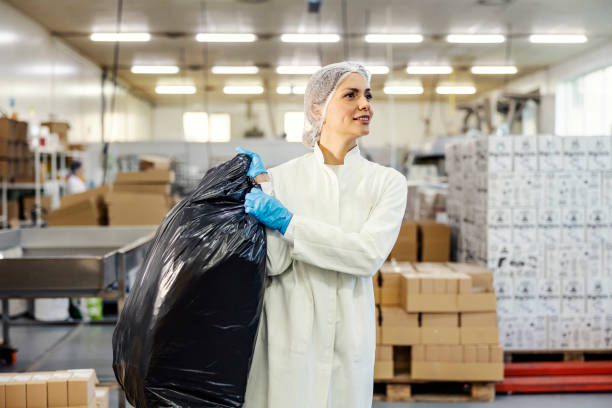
67, 262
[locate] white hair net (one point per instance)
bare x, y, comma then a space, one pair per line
319, 90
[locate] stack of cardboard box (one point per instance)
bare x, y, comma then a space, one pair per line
61, 389
16, 163
446, 313
424, 241
86, 208
140, 198
60, 129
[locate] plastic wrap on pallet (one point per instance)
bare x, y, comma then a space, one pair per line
186, 335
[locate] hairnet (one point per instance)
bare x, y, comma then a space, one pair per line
319, 90
74, 166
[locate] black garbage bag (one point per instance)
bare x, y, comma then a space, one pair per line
186, 335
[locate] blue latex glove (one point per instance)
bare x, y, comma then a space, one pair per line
257, 167
268, 210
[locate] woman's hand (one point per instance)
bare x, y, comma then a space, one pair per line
268, 210
257, 167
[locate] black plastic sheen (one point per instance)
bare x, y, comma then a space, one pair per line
186, 335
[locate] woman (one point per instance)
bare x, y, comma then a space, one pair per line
332, 219
75, 183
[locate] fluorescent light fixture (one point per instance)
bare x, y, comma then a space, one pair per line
175, 89
123, 37
310, 38
456, 90
297, 69
154, 69
475, 38
403, 89
393, 38
291, 89
218, 69
558, 38
494, 70
429, 70
378, 69
225, 38
243, 90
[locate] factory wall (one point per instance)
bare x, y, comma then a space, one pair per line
42, 78
402, 121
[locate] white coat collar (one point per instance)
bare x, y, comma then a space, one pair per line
351, 157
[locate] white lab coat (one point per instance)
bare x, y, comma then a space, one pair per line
75, 185
317, 335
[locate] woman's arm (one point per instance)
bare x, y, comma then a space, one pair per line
358, 253
278, 254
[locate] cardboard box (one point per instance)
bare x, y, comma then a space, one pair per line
60, 129
440, 335
456, 353
406, 246
12, 209
469, 354
81, 388
497, 354
102, 397
550, 153
482, 354
439, 319
434, 241
399, 327
383, 364
57, 390
478, 319
154, 163
143, 188
500, 153
418, 352
136, 209
84, 212
36, 391
3, 380
15, 391
525, 154
446, 371
145, 177
390, 279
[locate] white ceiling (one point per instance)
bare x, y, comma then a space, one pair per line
174, 24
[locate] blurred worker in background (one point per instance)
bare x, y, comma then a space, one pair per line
332, 218
76, 179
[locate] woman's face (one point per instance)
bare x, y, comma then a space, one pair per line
349, 111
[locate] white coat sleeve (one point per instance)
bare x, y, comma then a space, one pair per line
278, 255
357, 253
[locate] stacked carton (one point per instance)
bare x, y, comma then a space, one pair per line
60, 389
60, 129
423, 240
140, 198
537, 211
16, 162
446, 313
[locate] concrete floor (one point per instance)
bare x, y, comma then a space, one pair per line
90, 346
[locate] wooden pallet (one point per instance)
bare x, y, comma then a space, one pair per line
528, 356
403, 388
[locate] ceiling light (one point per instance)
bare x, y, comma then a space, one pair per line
154, 69
310, 38
429, 70
243, 90
393, 38
175, 89
558, 38
297, 69
228, 38
494, 70
377, 69
291, 89
475, 38
123, 37
412, 88
234, 70
456, 90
